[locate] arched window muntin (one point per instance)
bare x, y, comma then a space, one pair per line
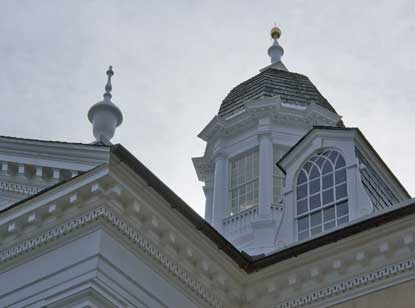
321, 194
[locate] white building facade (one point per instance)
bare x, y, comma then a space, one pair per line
300, 212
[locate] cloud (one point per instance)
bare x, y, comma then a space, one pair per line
175, 61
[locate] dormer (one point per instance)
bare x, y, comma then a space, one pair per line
333, 176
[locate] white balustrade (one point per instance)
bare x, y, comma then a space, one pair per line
241, 222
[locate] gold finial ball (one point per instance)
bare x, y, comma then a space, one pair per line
275, 33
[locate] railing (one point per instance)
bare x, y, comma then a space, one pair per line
240, 223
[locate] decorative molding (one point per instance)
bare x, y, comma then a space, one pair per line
120, 225
19, 188
350, 284
204, 168
256, 108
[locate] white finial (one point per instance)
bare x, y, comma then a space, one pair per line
105, 116
275, 51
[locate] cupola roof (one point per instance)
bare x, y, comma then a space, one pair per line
292, 88
274, 80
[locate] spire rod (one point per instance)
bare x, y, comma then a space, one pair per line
108, 86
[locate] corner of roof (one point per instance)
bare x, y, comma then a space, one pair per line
50, 188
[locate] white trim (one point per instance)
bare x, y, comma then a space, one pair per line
350, 285
127, 230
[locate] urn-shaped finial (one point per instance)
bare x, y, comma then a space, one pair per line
105, 116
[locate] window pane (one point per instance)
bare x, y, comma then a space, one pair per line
333, 156
340, 176
316, 230
301, 191
328, 196
303, 224
320, 161
329, 225
315, 173
250, 196
303, 235
315, 186
315, 219
340, 162
329, 214
341, 191
242, 189
328, 180
307, 167
342, 209
302, 207
342, 220
315, 202
327, 167
302, 178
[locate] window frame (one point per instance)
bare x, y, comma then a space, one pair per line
255, 178
278, 176
337, 201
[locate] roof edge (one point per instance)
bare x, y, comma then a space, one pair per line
182, 207
364, 224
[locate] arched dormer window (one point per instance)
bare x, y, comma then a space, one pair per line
321, 189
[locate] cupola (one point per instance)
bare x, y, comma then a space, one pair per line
257, 123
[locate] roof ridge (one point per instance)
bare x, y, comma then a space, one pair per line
53, 141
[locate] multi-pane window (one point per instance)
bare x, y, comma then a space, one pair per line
321, 190
244, 182
278, 175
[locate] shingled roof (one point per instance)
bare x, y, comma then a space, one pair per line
291, 87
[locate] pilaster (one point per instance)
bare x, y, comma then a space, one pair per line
219, 191
208, 190
265, 168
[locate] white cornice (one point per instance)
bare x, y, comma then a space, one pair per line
358, 284
104, 214
52, 195
204, 168
345, 290
53, 154
273, 107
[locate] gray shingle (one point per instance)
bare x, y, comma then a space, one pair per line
291, 87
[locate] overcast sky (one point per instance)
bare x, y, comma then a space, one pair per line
175, 61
